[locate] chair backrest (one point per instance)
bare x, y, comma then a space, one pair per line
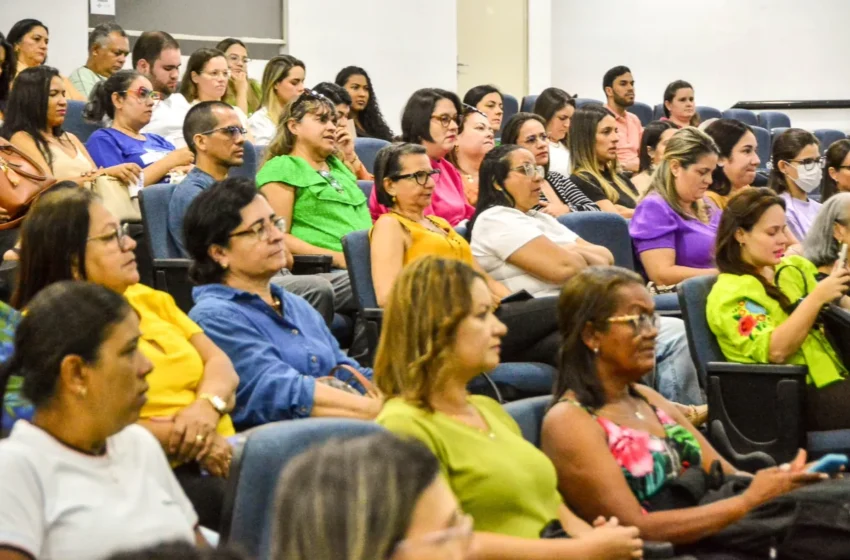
511, 108
366, 187
643, 112
706, 113
529, 413
773, 119
248, 168
775, 132
764, 146
528, 103
76, 124
658, 112
582, 101
603, 228
744, 115
358, 257
367, 150
253, 479
153, 202
826, 136
693, 295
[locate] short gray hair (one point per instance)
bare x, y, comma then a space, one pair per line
820, 245
100, 34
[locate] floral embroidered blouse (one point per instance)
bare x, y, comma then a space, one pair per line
649, 462
742, 317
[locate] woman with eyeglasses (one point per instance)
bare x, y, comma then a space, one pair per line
439, 332
595, 169
205, 79
761, 313
836, 169
430, 118
283, 82
392, 485
558, 195
127, 99
621, 449
34, 117
70, 235
242, 91
288, 361
796, 171
474, 140
404, 181
489, 101
557, 107
368, 120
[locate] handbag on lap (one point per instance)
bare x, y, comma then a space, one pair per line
22, 181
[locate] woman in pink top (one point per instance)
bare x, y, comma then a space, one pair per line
430, 118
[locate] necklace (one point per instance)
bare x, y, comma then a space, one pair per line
460, 418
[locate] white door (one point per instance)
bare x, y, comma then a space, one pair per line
492, 45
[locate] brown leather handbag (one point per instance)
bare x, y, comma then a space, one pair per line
22, 180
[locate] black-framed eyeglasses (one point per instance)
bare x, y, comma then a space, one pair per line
843, 167
121, 234
231, 131
640, 323
446, 120
421, 177
810, 163
262, 230
530, 170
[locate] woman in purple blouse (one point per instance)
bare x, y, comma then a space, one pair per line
673, 229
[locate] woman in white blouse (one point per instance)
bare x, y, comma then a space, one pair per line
82, 480
283, 82
206, 78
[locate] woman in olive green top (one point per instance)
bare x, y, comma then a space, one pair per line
430, 348
308, 186
759, 320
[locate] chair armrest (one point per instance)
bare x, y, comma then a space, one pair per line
311, 264
757, 369
373, 314
172, 263
657, 549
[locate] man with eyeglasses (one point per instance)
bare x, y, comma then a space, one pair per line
108, 49
214, 134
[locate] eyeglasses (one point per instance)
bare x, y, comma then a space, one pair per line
421, 177
530, 170
261, 231
121, 234
308, 94
543, 137
810, 163
469, 109
461, 531
326, 175
445, 120
144, 94
218, 74
237, 58
640, 323
231, 131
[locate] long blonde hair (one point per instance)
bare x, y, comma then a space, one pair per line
583, 160
427, 303
277, 69
686, 146
308, 102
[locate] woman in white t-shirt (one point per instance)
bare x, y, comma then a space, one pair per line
206, 78
520, 247
82, 480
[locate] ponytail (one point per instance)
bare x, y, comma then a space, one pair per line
100, 100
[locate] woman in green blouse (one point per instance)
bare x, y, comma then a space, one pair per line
430, 348
759, 320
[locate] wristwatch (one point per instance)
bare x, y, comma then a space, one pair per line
217, 402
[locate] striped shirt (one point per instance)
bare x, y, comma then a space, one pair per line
569, 193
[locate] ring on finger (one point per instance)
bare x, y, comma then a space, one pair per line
200, 437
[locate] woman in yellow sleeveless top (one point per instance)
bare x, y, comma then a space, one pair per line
404, 183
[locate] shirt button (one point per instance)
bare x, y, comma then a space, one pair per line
313, 359
295, 332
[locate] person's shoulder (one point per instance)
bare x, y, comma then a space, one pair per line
145, 297
103, 134
396, 409
736, 286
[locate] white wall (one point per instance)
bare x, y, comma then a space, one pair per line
539, 45
67, 21
730, 50
403, 44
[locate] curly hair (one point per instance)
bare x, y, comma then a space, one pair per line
370, 118
427, 303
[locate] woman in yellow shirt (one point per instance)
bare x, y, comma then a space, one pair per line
192, 386
439, 332
404, 182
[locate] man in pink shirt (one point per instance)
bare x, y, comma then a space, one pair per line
619, 87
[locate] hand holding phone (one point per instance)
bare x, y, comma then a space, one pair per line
829, 464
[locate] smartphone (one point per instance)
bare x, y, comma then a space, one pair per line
842, 255
830, 464
521, 295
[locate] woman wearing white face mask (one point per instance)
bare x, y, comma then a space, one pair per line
797, 170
